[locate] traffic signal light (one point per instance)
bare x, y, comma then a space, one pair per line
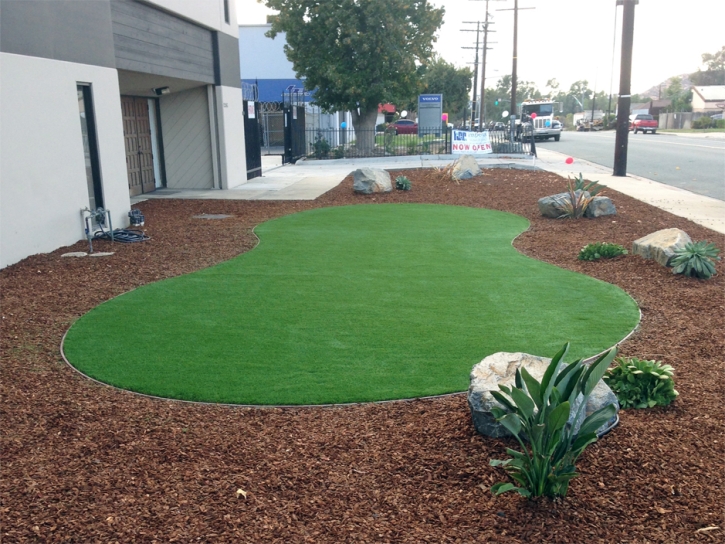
496, 102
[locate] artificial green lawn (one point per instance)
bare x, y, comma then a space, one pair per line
346, 304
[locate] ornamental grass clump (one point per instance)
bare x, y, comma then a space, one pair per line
696, 259
639, 383
601, 250
539, 413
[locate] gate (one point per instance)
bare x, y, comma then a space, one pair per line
272, 123
252, 139
294, 127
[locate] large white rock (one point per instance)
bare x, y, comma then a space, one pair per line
661, 245
465, 167
500, 369
371, 180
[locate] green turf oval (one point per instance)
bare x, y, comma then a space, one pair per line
349, 304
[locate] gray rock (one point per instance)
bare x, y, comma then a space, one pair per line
465, 167
661, 245
600, 206
553, 206
500, 369
371, 180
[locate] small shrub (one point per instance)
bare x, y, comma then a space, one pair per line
338, 152
719, 123
540, 413
402, 183
591, 187
696, 259
702, 122
601, 250
412, 147
321, 147
641, 384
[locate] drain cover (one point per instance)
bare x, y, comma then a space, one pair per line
212, 216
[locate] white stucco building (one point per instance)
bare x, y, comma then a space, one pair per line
101, 100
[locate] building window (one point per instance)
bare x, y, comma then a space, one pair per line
226, 11
90, 146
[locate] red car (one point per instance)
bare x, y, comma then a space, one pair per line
404, 126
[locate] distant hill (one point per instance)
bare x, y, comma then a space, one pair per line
654, 92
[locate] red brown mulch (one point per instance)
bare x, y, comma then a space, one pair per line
82, 462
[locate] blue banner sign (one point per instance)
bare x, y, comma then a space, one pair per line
430, 98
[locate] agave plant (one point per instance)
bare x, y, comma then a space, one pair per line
575, 203
591, 187
539, 412
696, 259
402, 183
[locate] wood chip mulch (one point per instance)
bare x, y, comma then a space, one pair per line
83, 462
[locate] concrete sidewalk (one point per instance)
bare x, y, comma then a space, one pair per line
307, 180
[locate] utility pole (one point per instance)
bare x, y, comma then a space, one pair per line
475, 66
625, 98
486, 30
516, 9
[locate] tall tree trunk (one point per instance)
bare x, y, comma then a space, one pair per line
364, 125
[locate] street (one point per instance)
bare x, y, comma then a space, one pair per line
695, 164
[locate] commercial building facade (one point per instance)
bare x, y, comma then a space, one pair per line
102, 100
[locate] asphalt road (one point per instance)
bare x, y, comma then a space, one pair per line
695, 164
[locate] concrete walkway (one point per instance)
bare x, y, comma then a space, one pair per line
307, 180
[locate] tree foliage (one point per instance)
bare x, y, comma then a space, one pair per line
357, 54
714, 61
681, 98
453, 83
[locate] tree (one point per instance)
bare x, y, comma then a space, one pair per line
357, 54
681, 99
453, 83
714, 61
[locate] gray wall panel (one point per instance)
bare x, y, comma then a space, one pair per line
187, 139
227, 67
66, 30
150, 40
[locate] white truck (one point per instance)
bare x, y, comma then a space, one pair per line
539, 114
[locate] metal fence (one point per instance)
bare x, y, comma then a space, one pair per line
343, 143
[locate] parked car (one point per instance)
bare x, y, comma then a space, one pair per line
499, 126
643, 122
404, 126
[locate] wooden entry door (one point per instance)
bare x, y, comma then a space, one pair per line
137, 137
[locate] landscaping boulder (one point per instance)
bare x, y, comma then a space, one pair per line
465, 167
371, 180
500, 369
661, 245
600, 206
553, 206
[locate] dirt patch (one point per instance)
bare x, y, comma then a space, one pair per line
82, 462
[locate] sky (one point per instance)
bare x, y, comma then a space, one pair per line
572, 40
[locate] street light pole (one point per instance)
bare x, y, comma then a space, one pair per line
625, 98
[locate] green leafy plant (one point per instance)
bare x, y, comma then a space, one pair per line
702, 122
601, 250
402, 183
539, 412
321, 147
575, 203
696, 259
412, 147
338, 152
591, 187
639, 383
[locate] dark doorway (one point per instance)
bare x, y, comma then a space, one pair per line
294, 128
137, 138
90, 146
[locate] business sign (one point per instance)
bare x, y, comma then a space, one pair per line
430, 111
250, 110
470, 143
430, 99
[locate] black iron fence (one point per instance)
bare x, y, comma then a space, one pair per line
344, 143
